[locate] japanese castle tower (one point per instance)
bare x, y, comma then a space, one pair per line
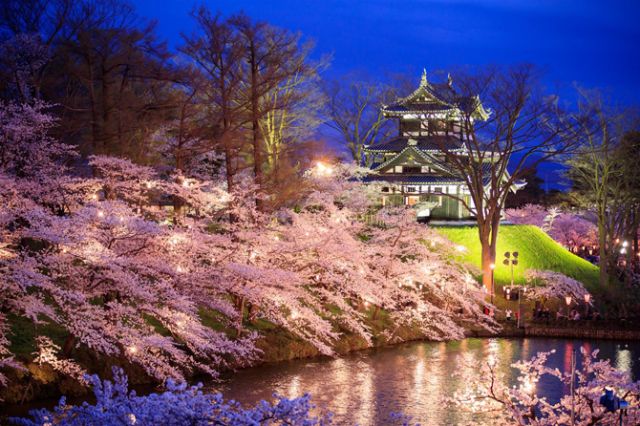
411, 166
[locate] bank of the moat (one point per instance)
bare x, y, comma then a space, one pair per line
40, 383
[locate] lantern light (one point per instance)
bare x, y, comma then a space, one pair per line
567, 300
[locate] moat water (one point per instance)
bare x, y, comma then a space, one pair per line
366, 387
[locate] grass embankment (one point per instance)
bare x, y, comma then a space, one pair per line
539, 251
536, 251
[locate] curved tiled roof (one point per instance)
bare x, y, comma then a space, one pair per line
414, 179
424, 143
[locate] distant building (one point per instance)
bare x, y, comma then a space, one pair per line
412, 166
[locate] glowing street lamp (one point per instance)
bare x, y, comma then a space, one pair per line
567, 300
587, 301
511, 259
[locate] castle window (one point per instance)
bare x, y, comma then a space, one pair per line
412, 169
410, 126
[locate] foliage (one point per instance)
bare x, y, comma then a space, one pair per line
488, 391
553, 285
125, 277
537, 251
606, 180
570, 229
177, 405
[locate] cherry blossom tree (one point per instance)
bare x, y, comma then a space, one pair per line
570, 229
488, 391
107, 257
554, 285
178, 405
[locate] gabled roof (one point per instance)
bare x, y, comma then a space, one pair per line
420, 158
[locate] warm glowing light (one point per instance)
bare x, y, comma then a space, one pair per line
323, 169
132, 349
492, 266
587, 298
461, 248
433, 243
625, 244
623, 250
94, 197
294, 314
100, 213
567, 300
179, 269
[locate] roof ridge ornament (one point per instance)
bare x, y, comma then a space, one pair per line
449, 80
423, 79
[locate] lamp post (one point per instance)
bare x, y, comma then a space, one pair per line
567, 300
587, 300
511, 259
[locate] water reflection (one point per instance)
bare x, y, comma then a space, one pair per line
366, 387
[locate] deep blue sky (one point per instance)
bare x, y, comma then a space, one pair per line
591, 43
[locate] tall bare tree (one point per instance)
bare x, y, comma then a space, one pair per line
354, 111
523, 128
606, 180
108, 73
216, 51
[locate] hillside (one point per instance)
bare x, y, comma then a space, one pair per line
536, 249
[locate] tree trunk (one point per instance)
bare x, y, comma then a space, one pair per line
241, 308
604, 259
488, 234
255, 125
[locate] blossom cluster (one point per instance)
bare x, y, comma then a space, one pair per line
169, 271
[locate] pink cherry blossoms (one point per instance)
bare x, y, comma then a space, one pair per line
136, 264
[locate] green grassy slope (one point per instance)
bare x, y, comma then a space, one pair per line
537, 251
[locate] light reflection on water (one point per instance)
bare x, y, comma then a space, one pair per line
365, 387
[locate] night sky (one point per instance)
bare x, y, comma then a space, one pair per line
591, 43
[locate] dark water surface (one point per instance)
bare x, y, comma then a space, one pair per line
365, 387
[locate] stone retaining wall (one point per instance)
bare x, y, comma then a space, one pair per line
582, 333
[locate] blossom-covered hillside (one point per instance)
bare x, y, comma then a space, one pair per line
126, 264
